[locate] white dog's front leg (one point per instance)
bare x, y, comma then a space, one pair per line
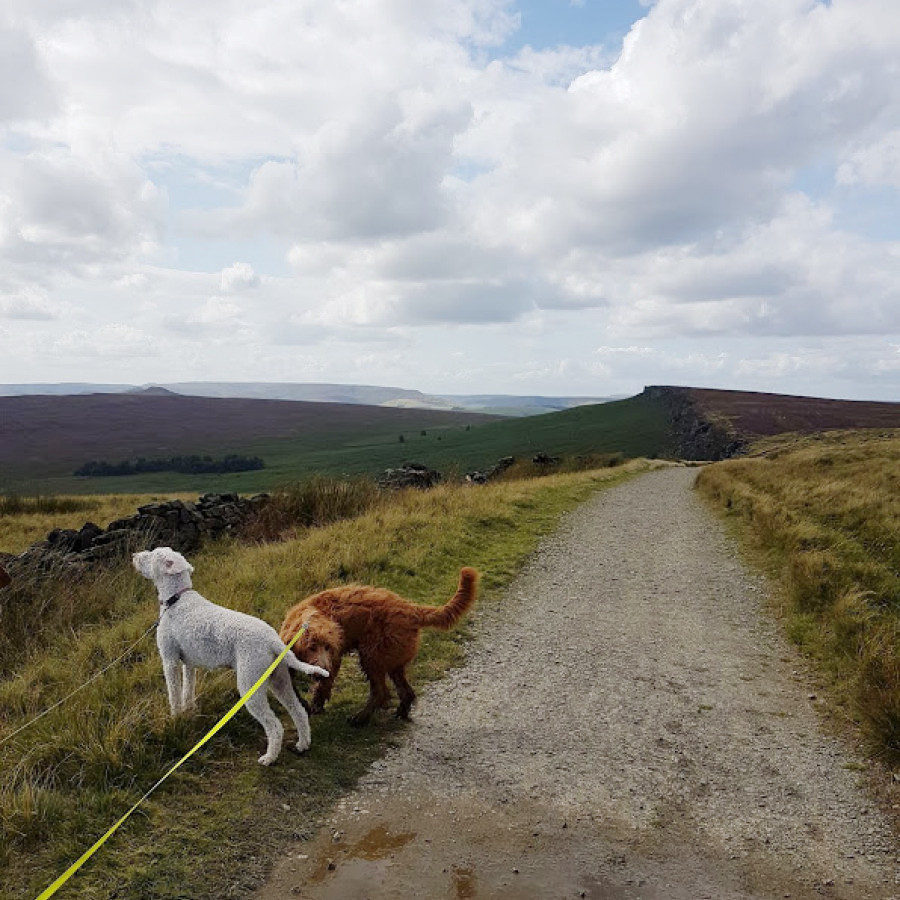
188, 687
172, 671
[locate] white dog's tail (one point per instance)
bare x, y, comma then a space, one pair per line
298, 664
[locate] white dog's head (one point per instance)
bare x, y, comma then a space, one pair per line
163, 562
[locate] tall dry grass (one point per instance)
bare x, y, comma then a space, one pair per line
312, 504
825, 511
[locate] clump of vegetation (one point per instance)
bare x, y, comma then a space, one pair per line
14, 505
187, 465
209, 828
825, 511
541, 464
312, 504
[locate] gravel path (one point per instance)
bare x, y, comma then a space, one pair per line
628, 725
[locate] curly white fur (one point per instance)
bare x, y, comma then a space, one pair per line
195, 633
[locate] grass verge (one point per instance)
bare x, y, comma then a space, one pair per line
823, 514
212, 829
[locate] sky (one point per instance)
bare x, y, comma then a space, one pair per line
561, 197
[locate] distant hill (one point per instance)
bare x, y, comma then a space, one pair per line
713, 424
528, 405
49, 436
63, 387
369, 395
154, 390
43, 439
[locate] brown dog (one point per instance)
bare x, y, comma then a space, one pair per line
381, 626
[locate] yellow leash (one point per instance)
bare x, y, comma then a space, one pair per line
50, 891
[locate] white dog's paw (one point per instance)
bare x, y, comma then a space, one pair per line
302, 746
318, 670
266, 759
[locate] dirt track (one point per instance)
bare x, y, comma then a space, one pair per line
628, 725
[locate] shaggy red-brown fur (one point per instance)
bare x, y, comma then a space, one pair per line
380, 625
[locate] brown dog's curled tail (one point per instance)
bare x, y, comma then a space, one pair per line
447, 616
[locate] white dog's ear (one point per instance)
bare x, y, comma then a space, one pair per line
171, 563
178, 565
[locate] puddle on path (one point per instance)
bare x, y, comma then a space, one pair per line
366, 859
446, 850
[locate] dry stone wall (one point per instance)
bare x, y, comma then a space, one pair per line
182, 525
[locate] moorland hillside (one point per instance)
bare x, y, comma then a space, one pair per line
45, 439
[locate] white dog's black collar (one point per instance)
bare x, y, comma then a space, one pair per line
174, 598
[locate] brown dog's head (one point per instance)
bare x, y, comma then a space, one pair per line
319, 644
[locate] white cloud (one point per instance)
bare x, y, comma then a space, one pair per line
216, 315
877, 163
27, 93
239, 277
28, 304
115, 340
62, 215
415, 180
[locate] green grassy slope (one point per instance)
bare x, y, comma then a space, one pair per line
635, 427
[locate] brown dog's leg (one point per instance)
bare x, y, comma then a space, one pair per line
322, 691
404, 691
378, 693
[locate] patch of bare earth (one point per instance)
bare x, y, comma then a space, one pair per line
628, 725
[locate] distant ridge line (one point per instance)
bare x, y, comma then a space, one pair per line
321, 392
713, 423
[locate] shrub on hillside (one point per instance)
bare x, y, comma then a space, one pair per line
311, 504
189, 465
585, 462
13, 505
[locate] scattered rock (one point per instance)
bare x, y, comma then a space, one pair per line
498, 468
412, 474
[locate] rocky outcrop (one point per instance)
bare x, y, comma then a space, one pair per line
416, 475
499, 467
183, 525
695, 433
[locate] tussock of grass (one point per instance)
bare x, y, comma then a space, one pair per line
13, 505
312, 504
209, 831
49, 608
826, 512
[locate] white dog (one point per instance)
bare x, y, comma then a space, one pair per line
195, 633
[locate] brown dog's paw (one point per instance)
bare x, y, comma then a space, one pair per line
359, 719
